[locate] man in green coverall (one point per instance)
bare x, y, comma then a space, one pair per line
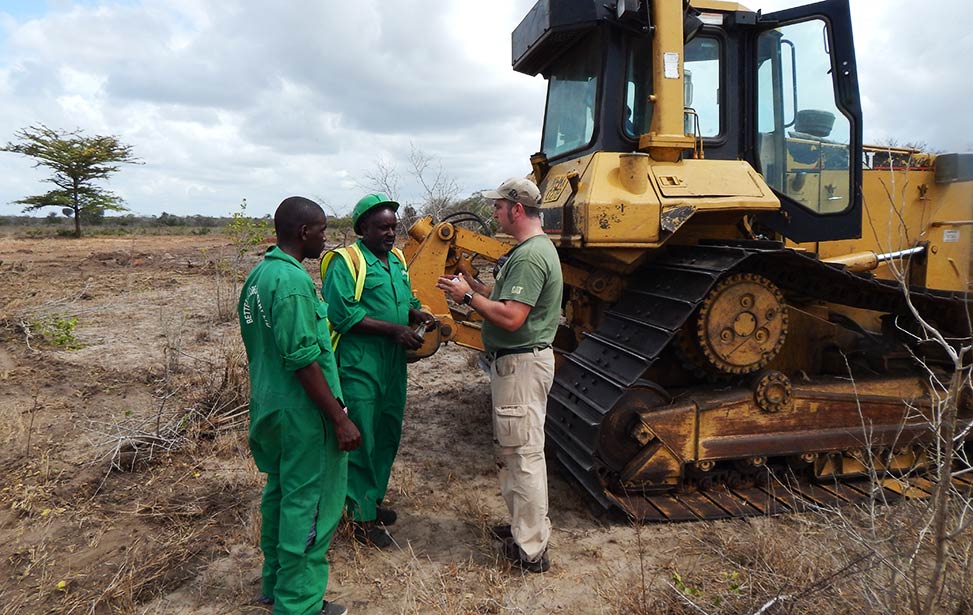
375, 335
299, 428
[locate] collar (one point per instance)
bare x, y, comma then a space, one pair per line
275, 253
511, 251
370, 257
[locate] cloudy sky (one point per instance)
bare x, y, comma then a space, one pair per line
260, 99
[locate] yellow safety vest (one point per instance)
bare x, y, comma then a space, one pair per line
356, 265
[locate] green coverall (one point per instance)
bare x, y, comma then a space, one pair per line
285, 328
372, 369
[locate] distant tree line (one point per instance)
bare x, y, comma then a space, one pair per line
130, 220
77, 163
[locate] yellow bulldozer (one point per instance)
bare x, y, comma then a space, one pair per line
742, 275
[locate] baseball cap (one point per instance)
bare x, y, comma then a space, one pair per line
517, 189
367, 202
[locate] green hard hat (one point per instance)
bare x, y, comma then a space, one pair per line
367, 202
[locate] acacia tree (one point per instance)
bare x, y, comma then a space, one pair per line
76, 162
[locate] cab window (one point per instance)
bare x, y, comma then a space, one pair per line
638, 87
804, 140
701, 70
572, 94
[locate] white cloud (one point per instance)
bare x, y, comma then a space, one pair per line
257, 99
230, 100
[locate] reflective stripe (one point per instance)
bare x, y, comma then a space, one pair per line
352, 256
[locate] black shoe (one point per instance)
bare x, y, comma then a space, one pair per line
385, 516
333, 608
501, 532
371, 534
327, 608
516, 558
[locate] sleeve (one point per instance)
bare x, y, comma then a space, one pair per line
523, 281
295, 329
338, 291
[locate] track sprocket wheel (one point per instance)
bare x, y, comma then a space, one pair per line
772, 391
742, 324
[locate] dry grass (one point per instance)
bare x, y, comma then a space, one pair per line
214, 402
446, 589
847, 561
151, 565
133, 555
155, 516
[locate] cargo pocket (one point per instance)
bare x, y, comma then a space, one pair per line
510, 426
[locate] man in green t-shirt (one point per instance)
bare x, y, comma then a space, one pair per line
520, 316
299, 428
375, 334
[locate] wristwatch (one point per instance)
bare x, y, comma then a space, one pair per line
468, 299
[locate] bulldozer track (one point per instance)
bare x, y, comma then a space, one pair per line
775, 498
656, 305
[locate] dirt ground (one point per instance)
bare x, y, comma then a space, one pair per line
95, 520
127, 485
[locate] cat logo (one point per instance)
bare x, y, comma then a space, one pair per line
554, 188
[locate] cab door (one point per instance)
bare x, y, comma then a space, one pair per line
807, 140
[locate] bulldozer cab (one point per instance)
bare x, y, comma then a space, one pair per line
778, 90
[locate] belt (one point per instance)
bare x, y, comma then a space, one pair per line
502, 352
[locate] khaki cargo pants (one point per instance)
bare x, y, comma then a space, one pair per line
519, 384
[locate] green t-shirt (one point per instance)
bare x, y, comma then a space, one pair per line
531, 275
285, 327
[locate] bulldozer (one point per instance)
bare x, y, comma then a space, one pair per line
745, 281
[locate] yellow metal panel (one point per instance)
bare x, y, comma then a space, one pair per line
609, 213
698, 178
904, 208
676, 427
468, 334
618, 222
